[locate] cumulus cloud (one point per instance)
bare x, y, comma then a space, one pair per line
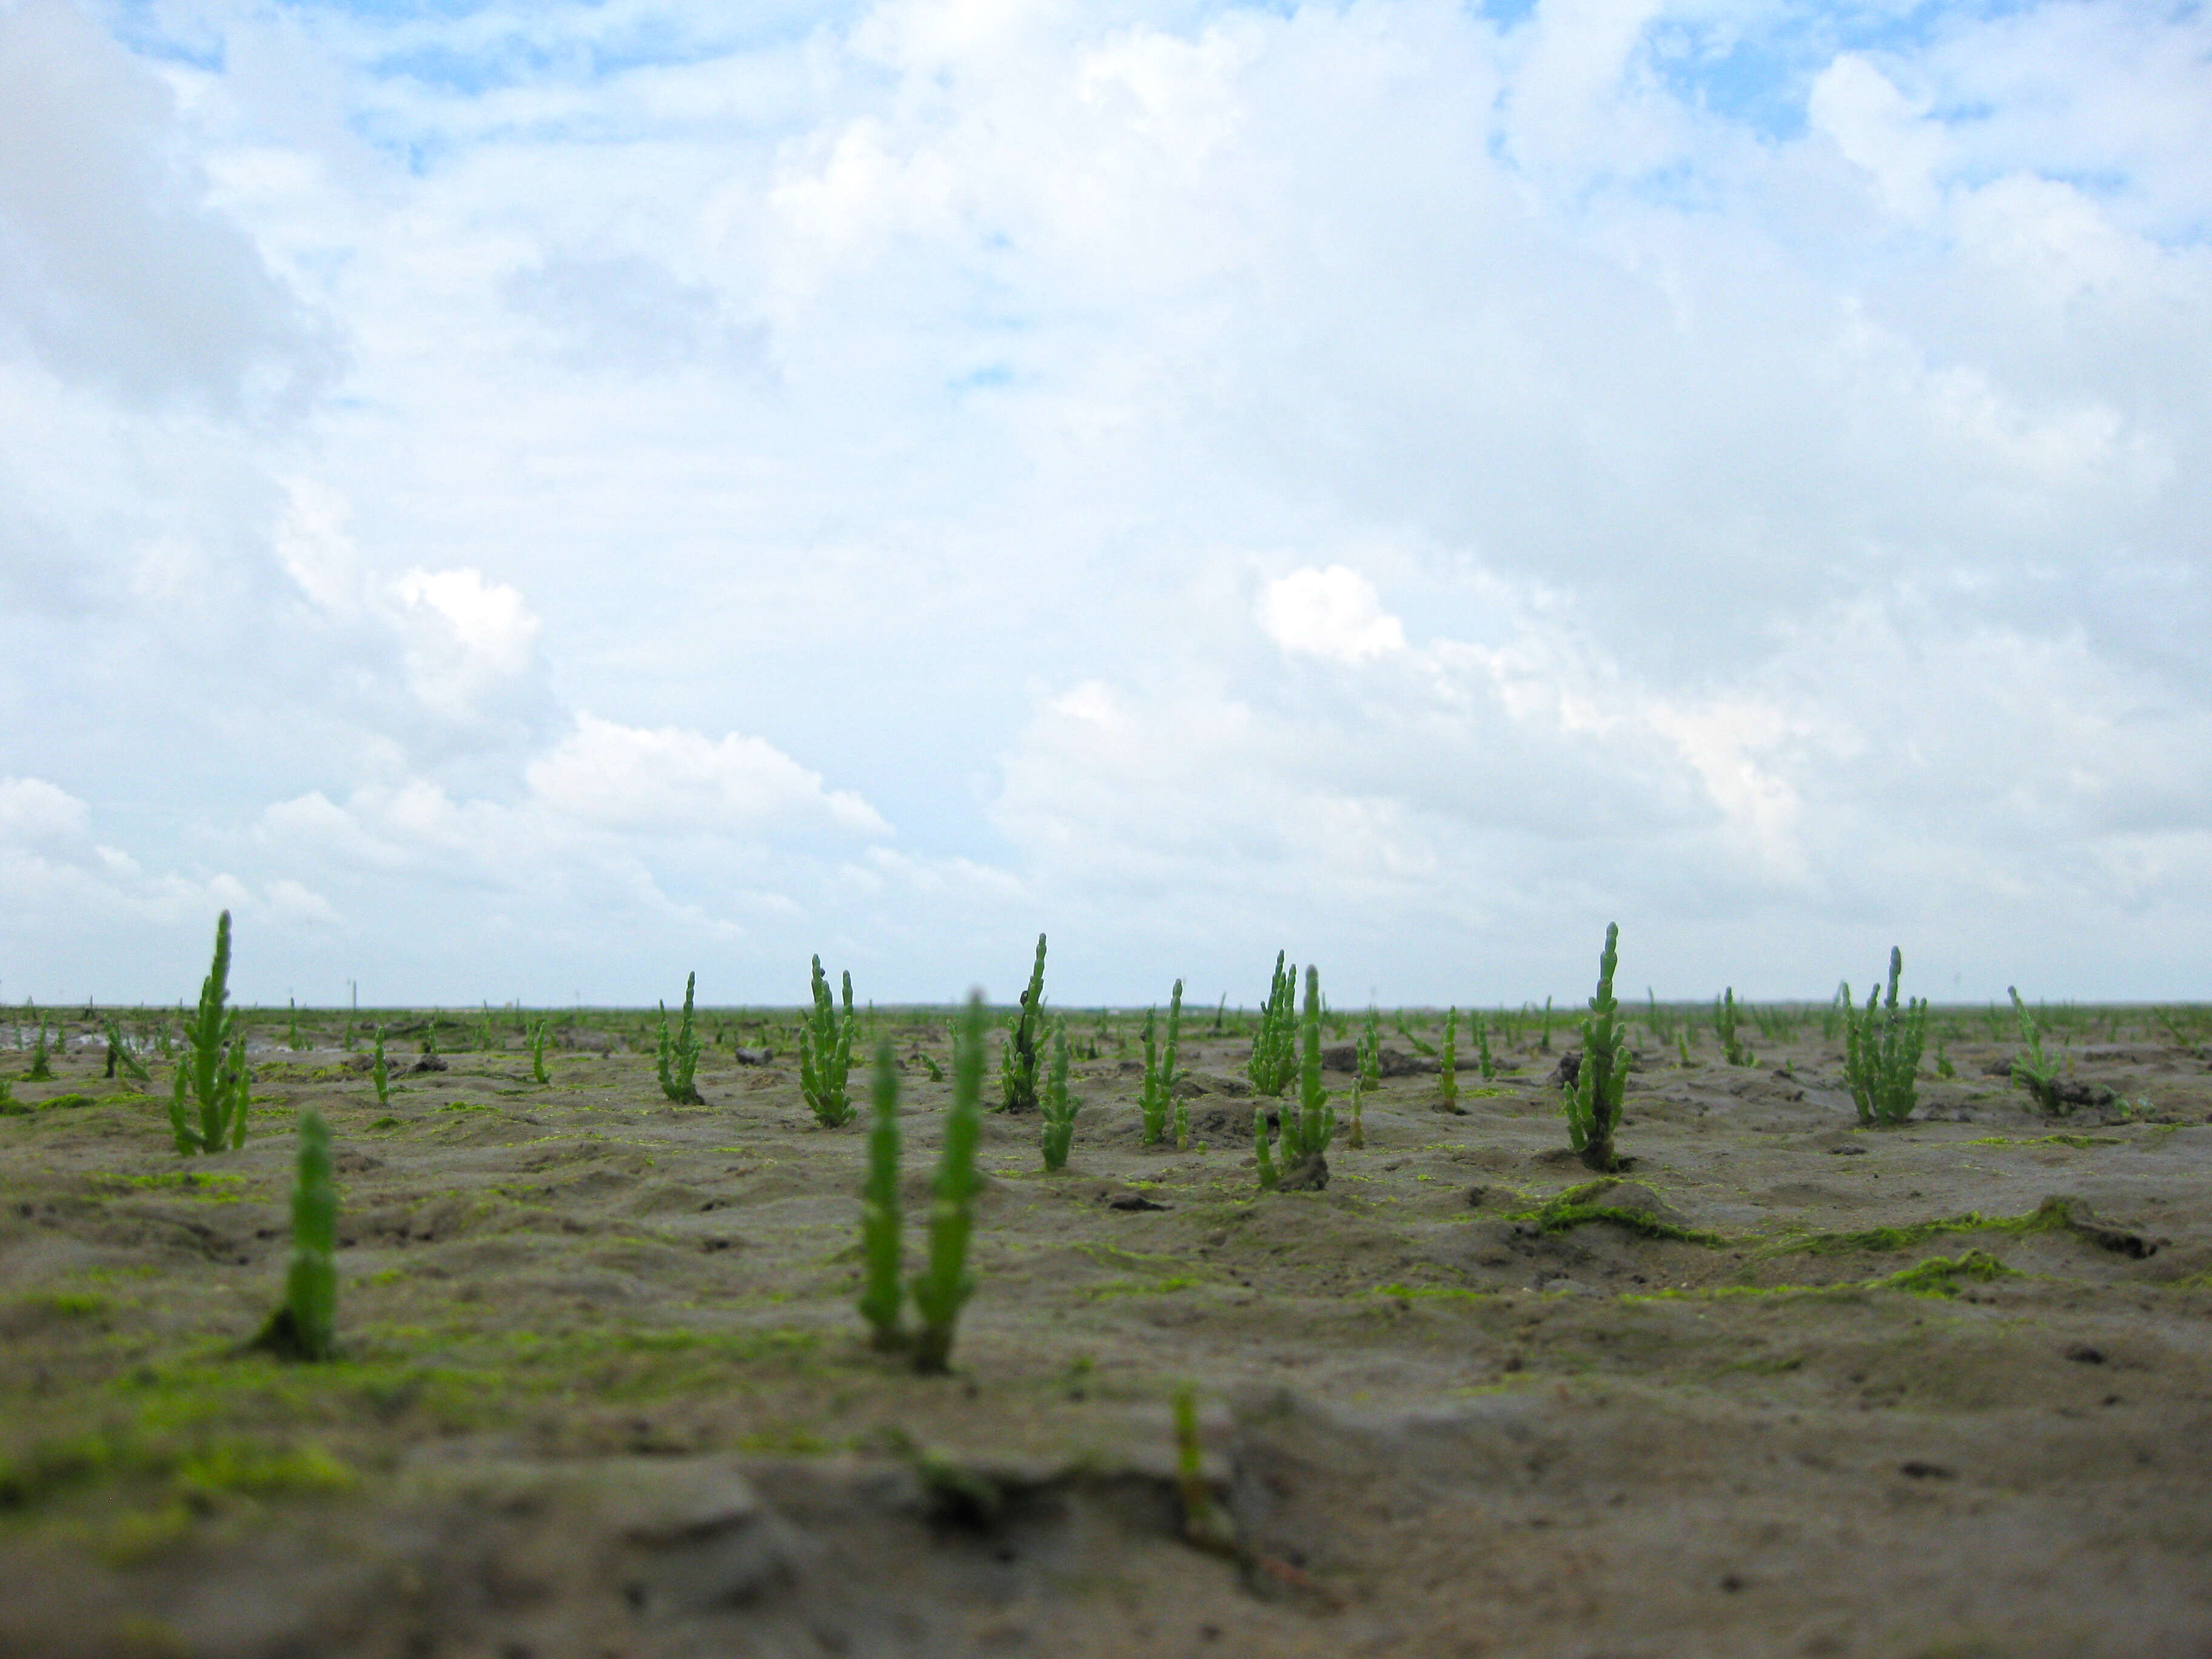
33, 812
467, 638
1332, 613
673, 781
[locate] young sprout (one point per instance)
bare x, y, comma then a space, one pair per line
119, 1053
1158, 1095
1306, 1131
678, 1056
1059, 1108
1369, 1059
213, 1075
944, 1286
42, 1064
1204, 1523
1407, 1032
381, 1071
1274, 1045
1023, 1048
1724, 1027
538, 1071
1168, 1068
882, 1291
304, 1327
2035, 1071
1447, 1068
825, 1053
1881, 1051
1594, 1105
1151, 1101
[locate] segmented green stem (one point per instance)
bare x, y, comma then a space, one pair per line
1593, 1106
882, 1291
944, 1286
1058, 1110
1021, 1054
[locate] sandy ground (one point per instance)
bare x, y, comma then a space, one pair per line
605, 1393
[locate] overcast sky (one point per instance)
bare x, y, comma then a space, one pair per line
527, 500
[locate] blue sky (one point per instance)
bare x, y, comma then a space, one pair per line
534, 500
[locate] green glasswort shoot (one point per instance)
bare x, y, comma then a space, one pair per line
881, 1288
1059, 1108
1544, 1043
1484, 1057
1406, 1031
825, 1053
1151, 1102
2035, 1071
1204, 1523
1447, 1066
1724, 1027
1274, 1058
212, 1076
677, 1057
942, 1288
304, 1327
538, 1071
119, 1055
1944, 1068
381, 1071
1356, 1138
292, 1030
1881, 1051
1023, 1051
1168, 1068
1156, 1097
1306, 1131
1594, 1104
42, 1064
1369, 1057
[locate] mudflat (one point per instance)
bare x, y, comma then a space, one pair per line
1786, 1385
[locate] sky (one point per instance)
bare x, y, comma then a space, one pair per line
525, 500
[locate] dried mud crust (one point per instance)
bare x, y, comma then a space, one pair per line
1787, 1388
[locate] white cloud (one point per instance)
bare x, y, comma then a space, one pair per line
1333, 612
33, 812
1870, 121
468, 640
671, 781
